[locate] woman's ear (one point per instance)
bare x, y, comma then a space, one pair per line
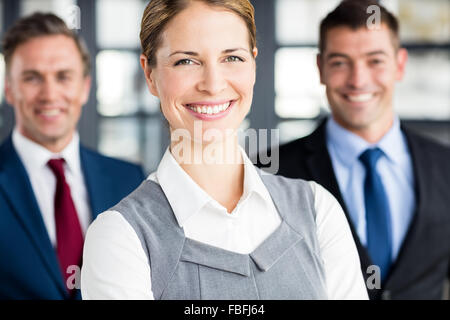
149, 75
255, 52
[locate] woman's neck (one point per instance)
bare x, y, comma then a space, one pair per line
216, 167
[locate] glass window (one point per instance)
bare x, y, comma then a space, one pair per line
298, 92
424, 21
153, 144
1, 17
297, 21
120, 138
424, 92
118, 23
121, 86
62, 8
136, 129
133, 139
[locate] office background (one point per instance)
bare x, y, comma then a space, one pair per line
122, 119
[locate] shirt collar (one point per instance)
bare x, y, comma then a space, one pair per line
252, 180
394, 144
349, 146
175, 182
35, 156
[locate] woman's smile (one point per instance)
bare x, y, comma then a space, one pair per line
210, 110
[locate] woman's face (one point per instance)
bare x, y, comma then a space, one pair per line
205, 70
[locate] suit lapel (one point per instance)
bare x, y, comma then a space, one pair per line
319, 165
14, 182
422, 186
98, 183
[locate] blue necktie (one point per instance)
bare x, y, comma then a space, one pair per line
377, 213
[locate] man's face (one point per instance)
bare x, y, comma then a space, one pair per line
359, 69
47, 88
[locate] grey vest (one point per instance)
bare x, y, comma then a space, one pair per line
287, 265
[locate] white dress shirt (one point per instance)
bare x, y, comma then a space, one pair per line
115, 265
35, 158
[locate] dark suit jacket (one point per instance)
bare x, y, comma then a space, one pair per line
422, 265
29, 266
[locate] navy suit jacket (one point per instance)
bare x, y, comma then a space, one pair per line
423, 262
29, 266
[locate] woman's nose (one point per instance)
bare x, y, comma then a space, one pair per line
213, 80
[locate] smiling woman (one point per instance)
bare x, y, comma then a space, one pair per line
208, 75
199, 229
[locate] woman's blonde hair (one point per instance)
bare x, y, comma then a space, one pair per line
159, 12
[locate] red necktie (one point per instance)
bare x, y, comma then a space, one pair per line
69, 237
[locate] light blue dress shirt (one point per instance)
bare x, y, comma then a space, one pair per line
394, 167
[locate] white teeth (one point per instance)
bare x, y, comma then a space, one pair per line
360, 97
210, 109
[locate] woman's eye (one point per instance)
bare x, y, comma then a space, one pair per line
233, 59
184, 62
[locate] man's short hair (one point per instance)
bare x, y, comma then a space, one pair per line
353, 14
37, 25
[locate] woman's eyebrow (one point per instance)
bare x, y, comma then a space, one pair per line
189, 53
234, 49
195, 54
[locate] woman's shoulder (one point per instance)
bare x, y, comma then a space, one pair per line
108, 229
296, 188
281, 180
291, 186
107, 224
145, 199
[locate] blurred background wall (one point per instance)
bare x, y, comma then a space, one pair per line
122, 119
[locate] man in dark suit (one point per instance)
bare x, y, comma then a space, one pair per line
393, 184
51, 187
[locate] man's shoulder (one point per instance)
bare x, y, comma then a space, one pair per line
424, 144
429, 156
297, 144
6, 145
291, 156
107, 161
7, 152
302, 146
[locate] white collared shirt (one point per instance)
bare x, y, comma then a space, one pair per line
115, 265
35, 158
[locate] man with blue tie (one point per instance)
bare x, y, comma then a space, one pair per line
51, 187
393, 184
